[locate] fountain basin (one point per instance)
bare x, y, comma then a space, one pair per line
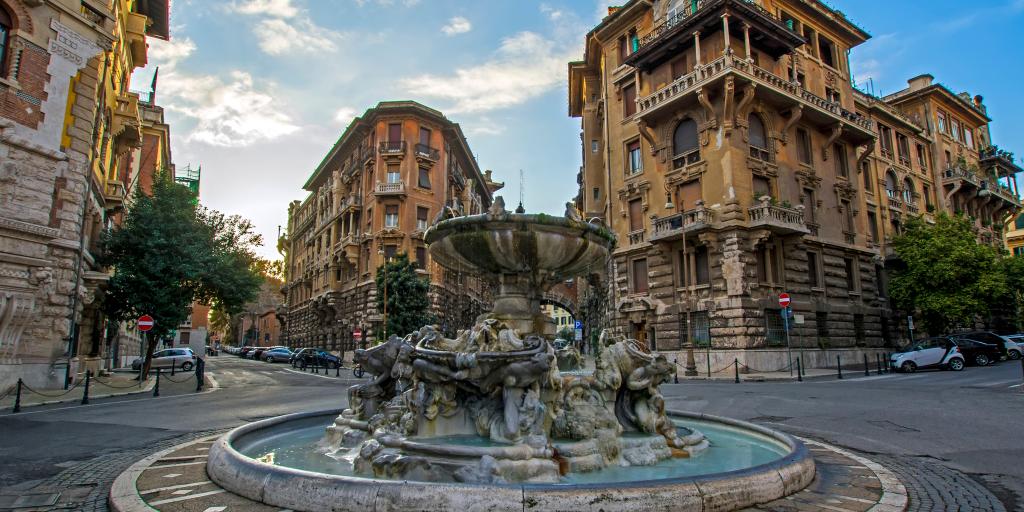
756, 479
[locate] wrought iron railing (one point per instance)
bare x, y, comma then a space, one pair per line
426, 151
392, 146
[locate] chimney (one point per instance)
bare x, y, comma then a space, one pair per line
920, 82
979, 102
487, 175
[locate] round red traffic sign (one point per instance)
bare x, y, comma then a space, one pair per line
145, 323
357, 334
784, 300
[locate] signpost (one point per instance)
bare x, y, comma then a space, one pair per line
578, 327
910, 326
145, 323
357, 335
785, 302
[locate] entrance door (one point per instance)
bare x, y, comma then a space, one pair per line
640, 332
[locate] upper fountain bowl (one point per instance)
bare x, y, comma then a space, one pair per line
545, 247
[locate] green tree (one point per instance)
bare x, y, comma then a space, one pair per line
945, 276
407, 304
168, 252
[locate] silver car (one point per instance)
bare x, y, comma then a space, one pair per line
1015, 348
277, 355
182, 358
938, 352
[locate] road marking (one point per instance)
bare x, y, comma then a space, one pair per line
311, 374
172, 475
183, 498
172, 487
216, 509
1015, 386
181, 492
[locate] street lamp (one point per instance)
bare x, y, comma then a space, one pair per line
381, 252
691, 363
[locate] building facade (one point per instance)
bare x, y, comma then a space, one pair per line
390, 174
724, 144
67, 122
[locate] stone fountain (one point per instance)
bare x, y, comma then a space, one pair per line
499, 380
486, 421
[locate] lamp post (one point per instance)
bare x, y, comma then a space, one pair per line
691, 363
385, 322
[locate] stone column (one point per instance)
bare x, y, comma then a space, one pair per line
746, 41
696, 46
725, 30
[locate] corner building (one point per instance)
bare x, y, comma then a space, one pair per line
390, 174
725, 146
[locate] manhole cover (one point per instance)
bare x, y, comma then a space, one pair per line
13, 501
770, 419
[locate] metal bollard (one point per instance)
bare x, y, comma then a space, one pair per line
1021, 376
85, 392
878, 359
839, 366
17, 399
799, 371
200, 371
337, 370
736, 367
803, 366
172, 368
867, 369
676, 367
156, 388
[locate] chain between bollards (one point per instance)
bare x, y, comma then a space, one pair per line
17, 398
156, 388
799, 371
736, 366
839, 366
85, 392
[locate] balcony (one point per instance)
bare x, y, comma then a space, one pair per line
424, 152
894, 202
778, 219
771, 88
912, 208
135, 28
392, 148
114, 193
993, 156
954, 175
125, 125
348, 203
674, 227
636, 237
674, 34
389, 189
367, 154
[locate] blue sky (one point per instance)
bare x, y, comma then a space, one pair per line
256, 91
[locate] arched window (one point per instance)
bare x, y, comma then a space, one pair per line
758, 138
685, 145
890, 185
908, 190
6, 23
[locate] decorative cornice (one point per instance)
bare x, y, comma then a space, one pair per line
29, 228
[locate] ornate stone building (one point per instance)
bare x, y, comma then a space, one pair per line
724, 144
67, 122
386, 179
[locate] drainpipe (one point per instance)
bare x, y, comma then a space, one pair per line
609, 218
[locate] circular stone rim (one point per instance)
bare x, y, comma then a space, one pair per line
486, 221
299, 489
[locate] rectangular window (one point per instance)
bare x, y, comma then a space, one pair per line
636, 215
421, 218
842, 164
955, 125
926, 191
803, 146
880, 281
821, 319
809, 35
1018, 251
424, 181
873, 226
774, 330
851, 274
623, 50
865, 169
597, 193
421, 258
693, 267
679, 67
635, 160
762, 186
394, 174
810, 206
812, 270
922, 156
767, 268
629, 100
942, 121
847, 216
832, 95
903, 145
969, 137
828, 51
885, 138
594, 146
425, 136
640, 275
369, 220
391, 216
394, 132
390, 251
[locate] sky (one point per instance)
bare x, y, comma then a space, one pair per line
257, 91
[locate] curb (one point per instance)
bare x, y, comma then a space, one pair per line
894, 493
145, 389
124, 495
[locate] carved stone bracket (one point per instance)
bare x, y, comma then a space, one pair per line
807, 178
743, 109
868, 149
845, 191
795, 114
837, 130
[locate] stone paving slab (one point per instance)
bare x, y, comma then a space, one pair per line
176, 480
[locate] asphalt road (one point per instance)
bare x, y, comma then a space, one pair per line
971, 421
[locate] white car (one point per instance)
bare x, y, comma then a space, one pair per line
177, 357
1015, 347
938, 352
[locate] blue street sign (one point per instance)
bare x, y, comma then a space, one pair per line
579, 324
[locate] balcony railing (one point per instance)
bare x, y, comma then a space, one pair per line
895, 203
636, 237
392, 147
778, 218
912, 208
673, 227
733, 63
383, 189
114, 191
425, 151
687, 11
952, 174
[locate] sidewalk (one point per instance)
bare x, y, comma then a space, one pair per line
116, 384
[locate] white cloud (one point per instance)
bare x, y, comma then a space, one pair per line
525, 66
407, 3
345, 115
280, 37
275, 8
457, 25
229, 111
552, 13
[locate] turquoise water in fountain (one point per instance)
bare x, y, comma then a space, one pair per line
731, 449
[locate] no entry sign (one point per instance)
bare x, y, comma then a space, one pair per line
145, 323
357, 334
784, 300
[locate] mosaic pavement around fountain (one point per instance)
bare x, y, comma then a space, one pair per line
175, 480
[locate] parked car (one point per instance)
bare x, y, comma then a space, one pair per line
978, 352
243, 351
316, 357
210, 351
1003, 344
258, 353
299, 354
938, 352
276, 355
1016, 351
171, 357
